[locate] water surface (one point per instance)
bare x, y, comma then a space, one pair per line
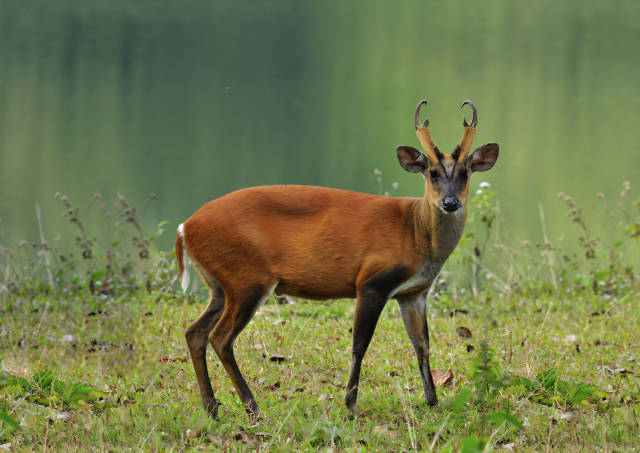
191, 100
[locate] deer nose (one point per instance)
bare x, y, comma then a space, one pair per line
450, 204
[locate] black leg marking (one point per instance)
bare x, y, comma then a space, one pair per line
372, 298
197, 338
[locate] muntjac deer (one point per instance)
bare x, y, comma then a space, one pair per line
321, 243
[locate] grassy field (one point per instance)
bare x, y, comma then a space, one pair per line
542, 343
296, 358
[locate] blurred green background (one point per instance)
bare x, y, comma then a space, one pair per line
194, 99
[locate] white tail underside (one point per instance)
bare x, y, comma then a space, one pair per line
186, 277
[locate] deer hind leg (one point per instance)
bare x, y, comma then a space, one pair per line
413, 309
197, 337
239, 309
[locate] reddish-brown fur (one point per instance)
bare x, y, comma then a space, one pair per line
309, 239
321, 243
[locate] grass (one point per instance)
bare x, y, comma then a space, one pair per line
93, 354
135, 354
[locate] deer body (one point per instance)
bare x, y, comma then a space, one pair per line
321, 243
309, 239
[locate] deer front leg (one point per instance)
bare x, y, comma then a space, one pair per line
368, 308
413, 309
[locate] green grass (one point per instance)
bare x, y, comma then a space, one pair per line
134, 353
93, 356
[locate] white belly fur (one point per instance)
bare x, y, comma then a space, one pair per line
425, 276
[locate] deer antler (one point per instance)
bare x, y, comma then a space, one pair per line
462, 150
474, 121
424, 135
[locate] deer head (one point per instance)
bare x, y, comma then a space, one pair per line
447, 175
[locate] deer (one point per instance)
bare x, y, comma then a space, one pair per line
323, 243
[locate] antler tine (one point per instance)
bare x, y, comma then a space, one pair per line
422, 131
462, 150
474, 120
416, 117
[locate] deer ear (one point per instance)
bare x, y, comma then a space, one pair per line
483, 158
411, 159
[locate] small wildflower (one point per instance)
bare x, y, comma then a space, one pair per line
97, 195
479, 191
394, 185
56, 195
484, 184
377, 172
600, 195
153, 196
626, 187
560, 194
526, 244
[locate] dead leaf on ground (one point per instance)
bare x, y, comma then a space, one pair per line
458, 310
620, 371
563, 416
240, 435
383, 430
464, 332
60, 416
172, 359
279, 358
440, 378
274, 386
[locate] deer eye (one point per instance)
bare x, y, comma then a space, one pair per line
433, 174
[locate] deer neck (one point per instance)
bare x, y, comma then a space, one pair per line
436, 232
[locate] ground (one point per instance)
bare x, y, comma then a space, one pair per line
131, 350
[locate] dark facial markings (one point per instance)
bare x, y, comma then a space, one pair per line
449, 180
456, 153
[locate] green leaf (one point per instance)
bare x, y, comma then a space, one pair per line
498, 418
460, 400
98, 275
580, 392
547, 379
601, 275
43, 379
9, 420
58, 387
472, 445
